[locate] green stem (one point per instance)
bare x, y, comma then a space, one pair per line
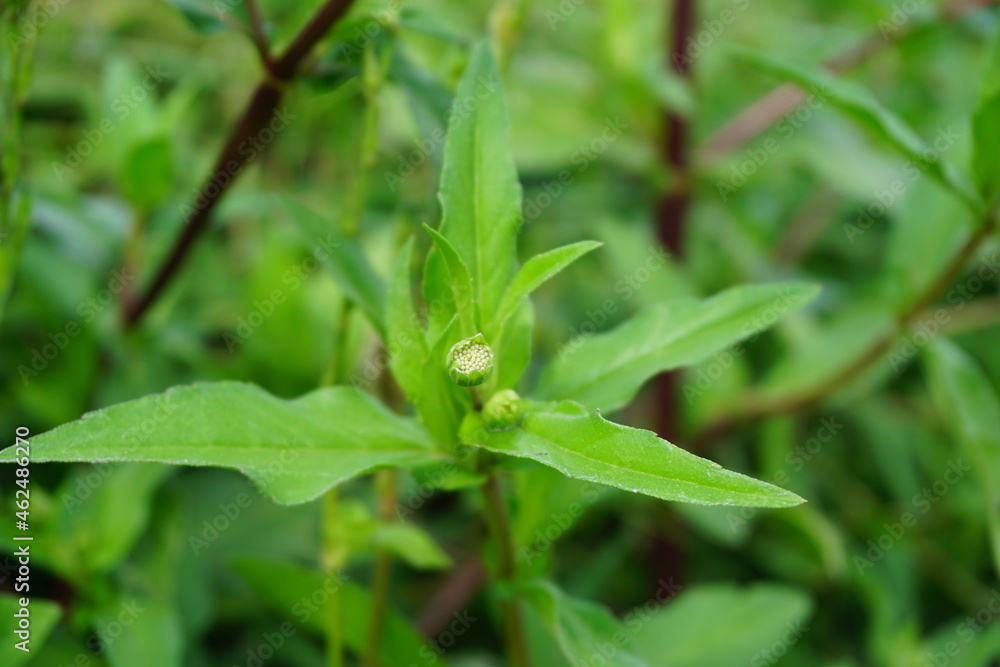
386, 489
495, 512
332, 556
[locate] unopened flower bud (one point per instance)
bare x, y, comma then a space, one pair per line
502, 411
470, 361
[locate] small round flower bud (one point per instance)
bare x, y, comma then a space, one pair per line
470, 361
502, 411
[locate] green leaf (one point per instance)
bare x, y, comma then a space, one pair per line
106, 525
585, 632
406, 340
347, 262
152, 634
207, 19
970, 405
459, 280
294, 450
986, 129
147, 173
44, 616
605, 371
442, 402
536, 271
858, 104
513, 348
285, 586
480, 195
707, 626
413, 545
584, 445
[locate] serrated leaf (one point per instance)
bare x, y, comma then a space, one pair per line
605, 371
584, 631
286, 585
294, 450
406, 341
586, 446
480, 195
348, 262
865, 110
706, 626
44, 616
971, 408
536, 271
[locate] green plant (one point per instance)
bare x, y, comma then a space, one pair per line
458, 353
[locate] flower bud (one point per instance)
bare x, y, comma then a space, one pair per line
470, 361
502, 411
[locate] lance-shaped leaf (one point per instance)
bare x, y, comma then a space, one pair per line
536, 271
866, 111
460, 281
407, 343
969, 404
986, 129
480, 195
586, 446
584, 631
605, 371
293, 450
347, 262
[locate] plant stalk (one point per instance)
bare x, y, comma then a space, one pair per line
495, 512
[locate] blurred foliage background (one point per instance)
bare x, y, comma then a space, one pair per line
125, 112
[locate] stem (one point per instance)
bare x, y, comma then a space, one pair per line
386, 489
232, 159
768, 109
754, 410
258, 33
332, 557
673, 205
495, 512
